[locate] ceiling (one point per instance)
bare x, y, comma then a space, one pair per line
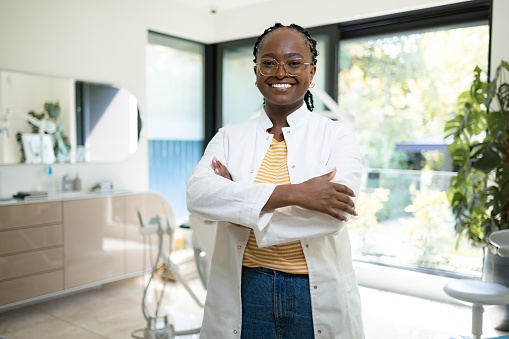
221, 5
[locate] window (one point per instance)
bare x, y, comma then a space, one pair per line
402, 87
240, 96
175, 115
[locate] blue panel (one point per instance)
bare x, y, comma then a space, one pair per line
170, 165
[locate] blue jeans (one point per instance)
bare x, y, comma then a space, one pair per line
275, 305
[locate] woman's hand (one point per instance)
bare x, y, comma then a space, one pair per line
322, 195
317, 194
220, 169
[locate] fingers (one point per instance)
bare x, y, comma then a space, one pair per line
343, 189
345, 207
220, 169
329, 176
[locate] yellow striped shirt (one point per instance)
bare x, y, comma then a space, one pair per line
288, 257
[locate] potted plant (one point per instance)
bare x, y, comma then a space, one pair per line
479, 192
61, 144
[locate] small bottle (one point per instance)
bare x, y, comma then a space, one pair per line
48, 173
77, 183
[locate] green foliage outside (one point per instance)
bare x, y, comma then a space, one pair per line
367, 205
404, 87
430, 211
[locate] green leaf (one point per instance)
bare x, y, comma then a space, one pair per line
503, 96
488, 156
498, 124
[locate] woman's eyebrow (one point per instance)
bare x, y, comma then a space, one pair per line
287, 55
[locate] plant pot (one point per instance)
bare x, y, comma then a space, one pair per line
496, 269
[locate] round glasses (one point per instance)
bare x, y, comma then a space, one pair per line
293, 66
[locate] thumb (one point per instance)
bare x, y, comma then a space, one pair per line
329, 176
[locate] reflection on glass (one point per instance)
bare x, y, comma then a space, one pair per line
402, 88
90, 127
106, 120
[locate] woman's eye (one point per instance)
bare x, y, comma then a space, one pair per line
294, 63
268, 63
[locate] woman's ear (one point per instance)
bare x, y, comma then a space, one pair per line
313, 71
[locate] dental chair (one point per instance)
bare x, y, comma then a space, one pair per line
164, 228
480, 293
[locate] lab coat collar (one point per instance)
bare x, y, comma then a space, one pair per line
293, 119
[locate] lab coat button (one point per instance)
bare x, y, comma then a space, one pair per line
267, 138
315, 287
235, 331
287, 132
240, 247
251, 171
293, 166
307, 245
319, 331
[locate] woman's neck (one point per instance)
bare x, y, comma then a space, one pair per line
278, 118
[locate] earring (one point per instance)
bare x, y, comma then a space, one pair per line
312, 85
256, 84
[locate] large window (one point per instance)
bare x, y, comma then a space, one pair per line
175, 115
402, 87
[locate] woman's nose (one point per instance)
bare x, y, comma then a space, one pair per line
281, 71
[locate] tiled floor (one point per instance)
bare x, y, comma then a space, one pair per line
114, 311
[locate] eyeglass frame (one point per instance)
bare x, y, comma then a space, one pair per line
284, 67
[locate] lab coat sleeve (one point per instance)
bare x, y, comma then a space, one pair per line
293, 223
213, 197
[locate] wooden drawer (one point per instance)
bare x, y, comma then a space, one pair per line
12, 266
20, 240
31, 287
30, 214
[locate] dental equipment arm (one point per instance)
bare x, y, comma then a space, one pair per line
45, 125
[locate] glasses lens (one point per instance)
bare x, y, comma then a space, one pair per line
268, 66
295, 66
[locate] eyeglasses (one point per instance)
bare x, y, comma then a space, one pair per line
293, 67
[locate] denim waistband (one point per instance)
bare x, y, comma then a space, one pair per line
273, 272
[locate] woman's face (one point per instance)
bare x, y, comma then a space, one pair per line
280, 90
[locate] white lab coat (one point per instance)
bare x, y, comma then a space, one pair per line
315, 146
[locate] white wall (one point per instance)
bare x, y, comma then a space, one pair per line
104, 41
91, 40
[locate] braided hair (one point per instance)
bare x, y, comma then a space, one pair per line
308, 97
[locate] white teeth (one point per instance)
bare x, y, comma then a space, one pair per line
281, 85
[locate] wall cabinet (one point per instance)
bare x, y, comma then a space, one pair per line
47, 248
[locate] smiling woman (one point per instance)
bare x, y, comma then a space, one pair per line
282, 187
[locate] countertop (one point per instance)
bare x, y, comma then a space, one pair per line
61, 196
